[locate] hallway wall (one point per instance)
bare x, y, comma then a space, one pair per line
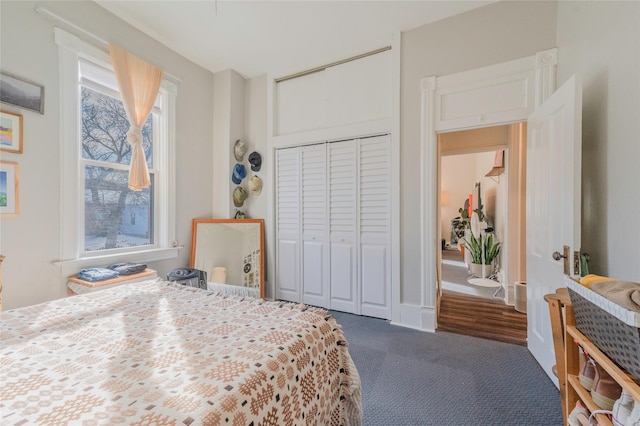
499, 32
601, 42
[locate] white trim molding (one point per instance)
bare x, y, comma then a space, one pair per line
429, 191
498, 94
72, 49
416, 317
395, 175
546, 64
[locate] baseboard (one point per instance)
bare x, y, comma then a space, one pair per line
416, 317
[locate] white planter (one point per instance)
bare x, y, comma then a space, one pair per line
478, 270
520, 288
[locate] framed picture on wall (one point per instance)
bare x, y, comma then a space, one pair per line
10, 132
21, 93
9, 205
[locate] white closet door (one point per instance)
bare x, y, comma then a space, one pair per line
288, 224
374, 226
343, 200
315, 265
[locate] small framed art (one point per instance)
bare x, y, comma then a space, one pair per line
9, 189
10, 132
21, 93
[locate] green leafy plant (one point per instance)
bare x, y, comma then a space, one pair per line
479, 247
464, 221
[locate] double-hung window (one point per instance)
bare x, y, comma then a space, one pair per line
102, 220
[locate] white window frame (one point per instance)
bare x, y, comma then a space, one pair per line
71, 50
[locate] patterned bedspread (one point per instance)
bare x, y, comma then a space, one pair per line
158, 353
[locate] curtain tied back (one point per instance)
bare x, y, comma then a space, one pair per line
138, 82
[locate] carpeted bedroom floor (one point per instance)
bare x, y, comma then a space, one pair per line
411, 377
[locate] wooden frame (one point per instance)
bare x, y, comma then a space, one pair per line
9, 189
21, 93
11, 132
220, 240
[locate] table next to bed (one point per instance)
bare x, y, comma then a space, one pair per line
160, 353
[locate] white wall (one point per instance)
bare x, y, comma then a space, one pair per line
228, 127
458, 177
31, 241
491, 34
489, 187
601, 41
256, 133
255, 129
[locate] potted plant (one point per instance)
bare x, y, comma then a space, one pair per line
464, 221
483, 251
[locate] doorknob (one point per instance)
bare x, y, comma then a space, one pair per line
566, 251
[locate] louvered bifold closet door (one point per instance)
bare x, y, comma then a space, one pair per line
288, 274
343, 200
315, 249
374, 226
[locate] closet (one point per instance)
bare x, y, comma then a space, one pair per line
333, 225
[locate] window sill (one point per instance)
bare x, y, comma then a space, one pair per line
73, 266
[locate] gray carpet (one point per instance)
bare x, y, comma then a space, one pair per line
411, 377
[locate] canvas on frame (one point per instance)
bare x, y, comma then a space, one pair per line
9, 189
10, 132
21, 93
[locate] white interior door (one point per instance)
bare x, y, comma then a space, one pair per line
315, 258
343, 192
554, 145
374, 227
288, 279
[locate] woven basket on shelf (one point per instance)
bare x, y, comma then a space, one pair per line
613, 329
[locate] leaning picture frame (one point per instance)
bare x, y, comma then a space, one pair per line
21, 93
9, 189
11, 132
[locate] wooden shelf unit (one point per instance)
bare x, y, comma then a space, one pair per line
575, 391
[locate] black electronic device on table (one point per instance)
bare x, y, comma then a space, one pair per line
189, 277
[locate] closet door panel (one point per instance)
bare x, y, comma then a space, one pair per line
315, 280
374, 264
374, 226
288, 274
342, 166
343, 278
313, 274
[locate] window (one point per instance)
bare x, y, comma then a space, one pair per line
101, 218
105, 158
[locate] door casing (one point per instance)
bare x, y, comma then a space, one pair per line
504, 93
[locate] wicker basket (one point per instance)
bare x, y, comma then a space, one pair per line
613, 329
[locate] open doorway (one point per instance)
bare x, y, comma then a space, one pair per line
482, 195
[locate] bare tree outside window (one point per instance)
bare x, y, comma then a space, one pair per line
109, 204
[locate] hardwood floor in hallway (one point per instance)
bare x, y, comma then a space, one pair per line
480, 317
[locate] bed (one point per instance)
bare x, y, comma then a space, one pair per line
160, 353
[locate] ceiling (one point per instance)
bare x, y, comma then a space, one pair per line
278, 37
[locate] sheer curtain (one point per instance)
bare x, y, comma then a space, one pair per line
138, 82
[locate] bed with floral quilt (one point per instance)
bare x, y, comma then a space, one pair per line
164, 354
